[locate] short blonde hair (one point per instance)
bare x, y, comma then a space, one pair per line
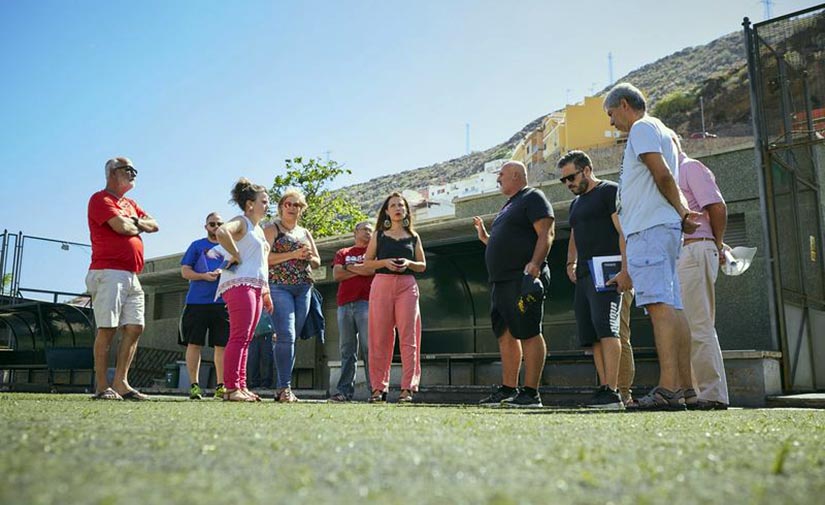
294, 193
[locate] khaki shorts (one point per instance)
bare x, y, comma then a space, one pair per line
117, 297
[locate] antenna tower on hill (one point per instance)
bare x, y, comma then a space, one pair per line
610, 69
766, 5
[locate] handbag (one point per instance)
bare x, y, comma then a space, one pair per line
265, 325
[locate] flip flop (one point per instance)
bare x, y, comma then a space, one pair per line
107, 394
135, 396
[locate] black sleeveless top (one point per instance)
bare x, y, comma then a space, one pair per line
389, 247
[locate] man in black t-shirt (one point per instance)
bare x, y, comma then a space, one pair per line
517, 245
595, 232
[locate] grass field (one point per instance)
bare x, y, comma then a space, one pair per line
68, 449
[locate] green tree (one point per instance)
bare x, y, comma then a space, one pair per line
328, 213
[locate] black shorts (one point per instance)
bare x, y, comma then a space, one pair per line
198, 319
504, 296
597, 313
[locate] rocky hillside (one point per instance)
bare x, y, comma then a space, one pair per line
717, 70
372, 192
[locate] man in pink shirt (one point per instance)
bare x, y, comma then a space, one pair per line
698, 267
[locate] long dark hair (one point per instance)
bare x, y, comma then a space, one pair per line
383, 216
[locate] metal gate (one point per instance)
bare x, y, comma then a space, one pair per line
786, 66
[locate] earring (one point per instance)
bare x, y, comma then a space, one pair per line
406, 222
387, 224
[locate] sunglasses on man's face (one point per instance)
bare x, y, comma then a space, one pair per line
569, 178
214, 224
129, 170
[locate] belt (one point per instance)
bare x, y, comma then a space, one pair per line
691, 240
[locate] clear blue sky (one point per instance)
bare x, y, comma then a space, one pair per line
199, 93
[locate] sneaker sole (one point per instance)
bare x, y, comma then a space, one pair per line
659, 408
607, 406
517, 406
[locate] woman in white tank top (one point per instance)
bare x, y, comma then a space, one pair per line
243, 283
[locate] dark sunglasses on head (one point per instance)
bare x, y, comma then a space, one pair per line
569, 178
213, 223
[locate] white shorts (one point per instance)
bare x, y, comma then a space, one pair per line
117, 297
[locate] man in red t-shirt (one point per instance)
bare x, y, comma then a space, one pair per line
115, 225
353, 308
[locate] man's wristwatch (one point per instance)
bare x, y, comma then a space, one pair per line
136, 220
346, 267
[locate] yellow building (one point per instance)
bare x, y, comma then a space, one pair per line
530, 150
584, 125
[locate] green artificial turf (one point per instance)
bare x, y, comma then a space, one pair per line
68, 449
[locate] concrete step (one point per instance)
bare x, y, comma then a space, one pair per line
804, 401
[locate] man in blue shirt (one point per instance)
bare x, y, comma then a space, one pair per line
203, 313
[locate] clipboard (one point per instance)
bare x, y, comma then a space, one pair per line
604, 268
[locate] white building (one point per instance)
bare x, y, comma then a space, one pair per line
438, 201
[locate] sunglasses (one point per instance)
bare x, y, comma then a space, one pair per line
569, 178
214, 223
293, 205
129, 170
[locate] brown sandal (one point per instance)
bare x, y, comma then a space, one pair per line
237, 395
406, 396
660, 398
107, 394
250, 394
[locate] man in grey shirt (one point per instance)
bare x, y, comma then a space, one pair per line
653, 214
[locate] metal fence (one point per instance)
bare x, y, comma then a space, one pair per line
786, 66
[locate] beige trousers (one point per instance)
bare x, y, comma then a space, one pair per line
698, 267
627, 367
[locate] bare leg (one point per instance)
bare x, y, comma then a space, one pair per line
669, 329
611, 350
511, 354
130, 334
103, 342
598, 361
683, 357
193, 362
535, 353
219, 363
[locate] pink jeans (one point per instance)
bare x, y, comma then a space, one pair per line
394, 305
244, 304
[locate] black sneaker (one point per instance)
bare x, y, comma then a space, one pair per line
497, 396
523, 400
606, 399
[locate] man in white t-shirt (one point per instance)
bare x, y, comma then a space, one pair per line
653, 214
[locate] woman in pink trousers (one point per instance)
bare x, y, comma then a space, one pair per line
243, 283
396, 254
